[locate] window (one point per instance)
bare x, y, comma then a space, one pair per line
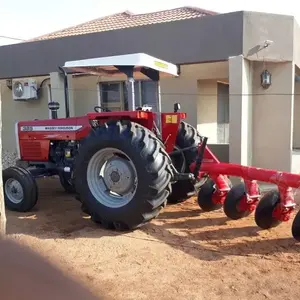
114, 96
149, 94
111, 95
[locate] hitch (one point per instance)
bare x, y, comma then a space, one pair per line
182, 150
191, 176
200, 157
183, 176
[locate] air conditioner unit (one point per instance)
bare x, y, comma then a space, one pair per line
24, 89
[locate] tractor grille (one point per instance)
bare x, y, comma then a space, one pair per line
31, 149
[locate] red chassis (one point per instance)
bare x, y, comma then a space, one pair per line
218, 172
34, 137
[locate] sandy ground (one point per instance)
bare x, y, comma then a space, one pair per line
184, 254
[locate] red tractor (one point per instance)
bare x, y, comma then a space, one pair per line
124, 166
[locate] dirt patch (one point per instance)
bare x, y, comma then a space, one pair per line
184, 254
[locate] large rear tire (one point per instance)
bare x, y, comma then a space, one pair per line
122, 175
187, 136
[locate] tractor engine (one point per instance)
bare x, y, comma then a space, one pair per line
63, 153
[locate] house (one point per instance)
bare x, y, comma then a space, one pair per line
238, 78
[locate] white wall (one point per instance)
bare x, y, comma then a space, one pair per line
13, 111
207, 109
85, 94
188, 89
184, 89
296, 133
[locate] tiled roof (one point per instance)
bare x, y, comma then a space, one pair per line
127, 19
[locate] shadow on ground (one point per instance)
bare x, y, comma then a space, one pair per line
206, 236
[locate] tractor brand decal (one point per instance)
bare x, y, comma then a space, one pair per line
50, 136
160, 64
51, 128
171, 119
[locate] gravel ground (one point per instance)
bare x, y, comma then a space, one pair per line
8, 159
183, 254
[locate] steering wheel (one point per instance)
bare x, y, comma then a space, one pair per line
100, 108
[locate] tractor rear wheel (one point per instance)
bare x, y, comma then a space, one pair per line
122, 175
187, 136
20, 189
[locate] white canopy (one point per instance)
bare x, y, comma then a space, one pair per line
105, 66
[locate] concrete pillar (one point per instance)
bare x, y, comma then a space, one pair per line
240, 111
57, 92
273, 116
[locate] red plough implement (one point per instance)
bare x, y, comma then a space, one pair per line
240, 200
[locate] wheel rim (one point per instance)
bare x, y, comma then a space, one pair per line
112, 177
14, 191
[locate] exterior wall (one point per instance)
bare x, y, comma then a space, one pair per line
193, 89
296, 43
296, 133
58, 93
196, 90
189, 89
13, 111
296, 161
261, 121
273, 117
270, 143
210, 107
207, 109
197, 40
85, 94
258, 27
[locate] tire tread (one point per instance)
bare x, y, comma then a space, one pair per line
157, 167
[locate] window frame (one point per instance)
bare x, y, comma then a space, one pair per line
139, 100
113, 104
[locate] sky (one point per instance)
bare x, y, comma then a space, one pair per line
27, 19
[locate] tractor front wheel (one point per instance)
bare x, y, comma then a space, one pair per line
20, 189
123, 175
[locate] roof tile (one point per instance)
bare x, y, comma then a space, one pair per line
126, 20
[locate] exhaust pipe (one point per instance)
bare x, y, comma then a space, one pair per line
66, 92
